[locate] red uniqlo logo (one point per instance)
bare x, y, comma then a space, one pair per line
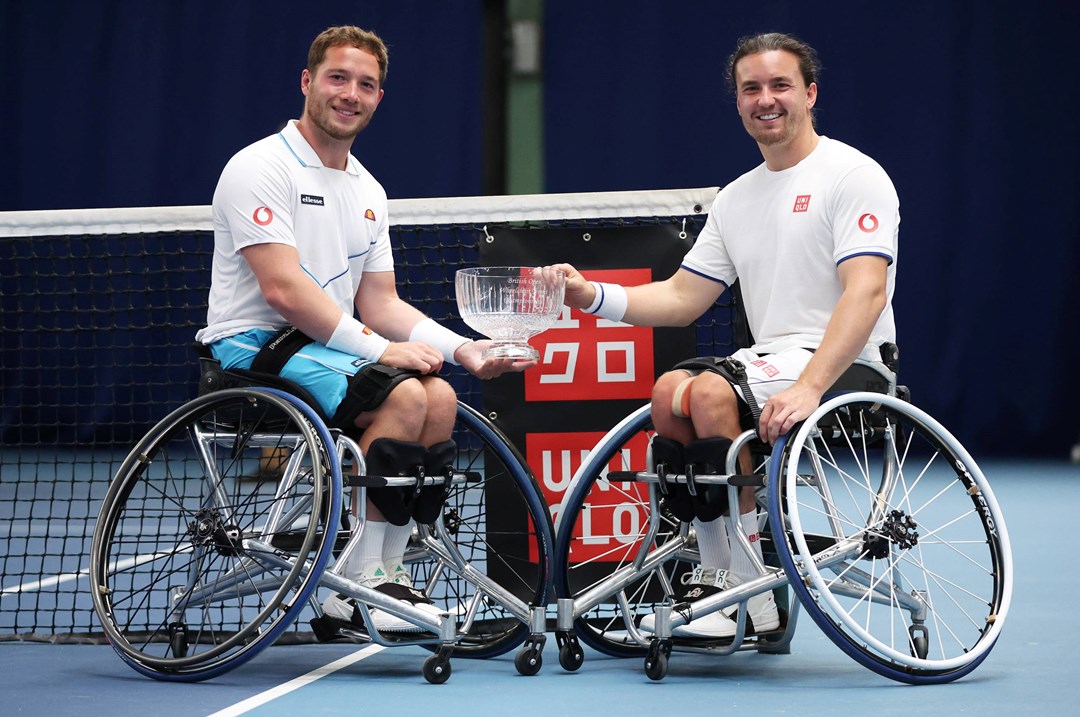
802, 203
767, 367
586, 358
613, 515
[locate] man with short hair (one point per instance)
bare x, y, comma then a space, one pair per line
301, 248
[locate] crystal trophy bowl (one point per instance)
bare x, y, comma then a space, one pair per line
509, 304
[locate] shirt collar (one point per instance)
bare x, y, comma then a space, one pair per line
303, 152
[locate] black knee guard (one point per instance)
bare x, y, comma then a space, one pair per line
438, 461
366, 391
389, 458
708, 456
668, 458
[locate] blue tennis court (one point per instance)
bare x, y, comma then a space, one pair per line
1031, 671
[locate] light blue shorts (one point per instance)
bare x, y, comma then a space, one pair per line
322, 371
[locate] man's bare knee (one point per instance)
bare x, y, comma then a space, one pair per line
402, 413
714, 407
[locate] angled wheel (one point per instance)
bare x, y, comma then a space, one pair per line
212, 534
893, 538
600, 527
500, 526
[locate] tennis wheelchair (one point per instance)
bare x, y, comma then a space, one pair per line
224, 520
873, 517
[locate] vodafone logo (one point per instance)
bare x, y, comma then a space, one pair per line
868, 223
263, 216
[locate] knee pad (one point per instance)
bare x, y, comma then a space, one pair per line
366, 390
389, 458
438, 461
680, 399
708, 456
668, 458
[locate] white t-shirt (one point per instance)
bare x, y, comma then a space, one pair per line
783, 234
278, 191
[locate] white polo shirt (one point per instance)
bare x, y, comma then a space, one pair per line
784, 234
278, 191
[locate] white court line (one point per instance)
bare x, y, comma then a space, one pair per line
263, 697
66, 577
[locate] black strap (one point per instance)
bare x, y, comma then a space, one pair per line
731, 369
273, 356
738, 370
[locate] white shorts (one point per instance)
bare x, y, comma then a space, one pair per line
769, 374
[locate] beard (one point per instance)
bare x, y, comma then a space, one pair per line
323, 118
768, 138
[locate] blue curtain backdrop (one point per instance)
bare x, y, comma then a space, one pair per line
962, 103
966, 104
111, 103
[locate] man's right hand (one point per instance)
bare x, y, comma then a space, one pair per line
413, 355
579, 292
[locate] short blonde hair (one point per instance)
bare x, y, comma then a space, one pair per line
353, 37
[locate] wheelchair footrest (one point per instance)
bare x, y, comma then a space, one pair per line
331, 629
327, 629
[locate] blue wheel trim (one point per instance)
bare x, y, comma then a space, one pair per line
822, 620
298, 604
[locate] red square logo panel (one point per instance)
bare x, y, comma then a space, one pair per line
590, 358
614, 514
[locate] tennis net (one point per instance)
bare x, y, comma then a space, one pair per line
100, 309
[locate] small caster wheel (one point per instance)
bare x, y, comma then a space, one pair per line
178, 641
436, 670
920, 642
529, 661
656, 659
571, 656
656, 666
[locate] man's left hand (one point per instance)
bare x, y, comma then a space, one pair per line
469, 356
783, 410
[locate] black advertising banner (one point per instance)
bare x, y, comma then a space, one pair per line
592, 372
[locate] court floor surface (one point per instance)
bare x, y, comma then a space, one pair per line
1033, 670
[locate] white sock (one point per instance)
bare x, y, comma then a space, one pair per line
394, 545
367, 556
741, 565
713, 544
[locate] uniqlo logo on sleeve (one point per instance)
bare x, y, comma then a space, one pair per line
802, 203
613, 515
586, 358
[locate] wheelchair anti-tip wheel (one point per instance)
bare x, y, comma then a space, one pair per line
900, 543
213, 533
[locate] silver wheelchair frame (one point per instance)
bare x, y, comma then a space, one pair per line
202, 556
878, 522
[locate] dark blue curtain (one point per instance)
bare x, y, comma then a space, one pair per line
967, 106
115, 103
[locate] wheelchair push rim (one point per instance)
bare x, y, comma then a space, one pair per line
906, 567
189, 577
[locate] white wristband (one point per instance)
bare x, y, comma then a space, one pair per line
439, 337
352, 337
610, 301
